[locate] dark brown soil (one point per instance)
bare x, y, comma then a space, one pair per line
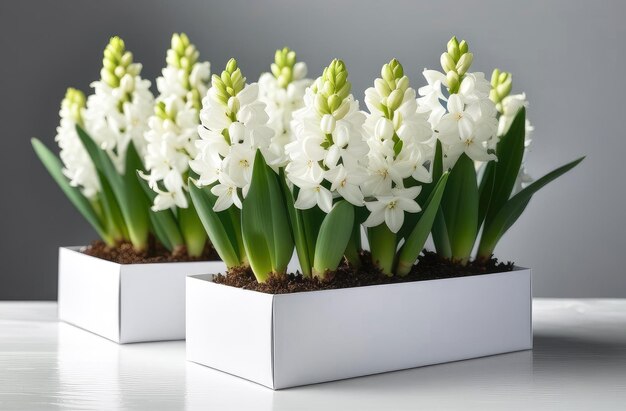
430, 267
155, 253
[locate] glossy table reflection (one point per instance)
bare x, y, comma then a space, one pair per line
579, 362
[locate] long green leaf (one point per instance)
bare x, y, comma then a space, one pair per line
163, 222
222, 242
415, 242
55, 168
333, 238
297, 227
440, 236
112, 214
264, 223
129, 196
485, 189
510, 151
192, 230
460, 208
513, 208
136, 205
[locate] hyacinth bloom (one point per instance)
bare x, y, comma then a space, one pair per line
118, 111
329, 144
282, 90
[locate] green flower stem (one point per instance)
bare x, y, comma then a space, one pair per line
383, 247
192, 230
235, 217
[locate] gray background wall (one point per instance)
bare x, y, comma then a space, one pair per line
567, 55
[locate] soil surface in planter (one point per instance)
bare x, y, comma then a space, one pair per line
155, 253
430, 267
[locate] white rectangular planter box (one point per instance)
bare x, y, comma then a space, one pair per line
288, 340
125, 302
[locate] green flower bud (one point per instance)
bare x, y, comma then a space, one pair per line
501, 84
453, 48
231, 66
494, 77
463, 47
403, 83
321, 104
282, 68
334, 101
118, 62
387, 74
454, 82
455, 62
228, 84
395, 99
464, 63
447, 63
335, 80
74, 102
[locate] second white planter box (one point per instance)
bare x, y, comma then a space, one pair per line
125, 303
288, 340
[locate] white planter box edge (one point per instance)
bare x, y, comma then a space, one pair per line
288, 340
125, 302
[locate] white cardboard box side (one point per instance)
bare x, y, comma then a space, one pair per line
230, 329
397, 326
126, 302
335, 334
89, 293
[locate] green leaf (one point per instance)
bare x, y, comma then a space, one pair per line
163, 222
297, 227
129, 196
135, 206
414, 244
311, 221
460, 208
333, 238
510, 152
82, 204
383, 246
264, 223
113, 216
440, 236
485, 189
191, 228
223, 242
513, 208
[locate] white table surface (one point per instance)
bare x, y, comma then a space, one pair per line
579, 362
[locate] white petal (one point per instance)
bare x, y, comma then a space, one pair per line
394, 217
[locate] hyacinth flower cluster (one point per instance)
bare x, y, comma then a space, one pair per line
401, 144
101, 154
171, 144
477, 121
105, 142
282, 91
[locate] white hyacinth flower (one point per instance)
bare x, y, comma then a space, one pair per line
465, 121
328, 135
76, 161
282, 91
401, 142
390, 208
233, 127
173, 128
117, 113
